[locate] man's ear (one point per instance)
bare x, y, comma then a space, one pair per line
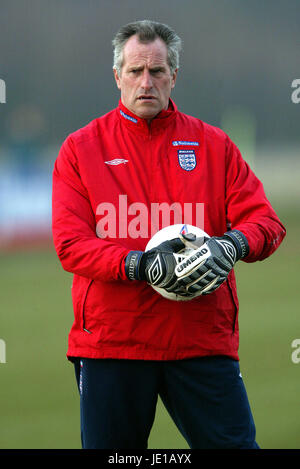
174, 77
117, 78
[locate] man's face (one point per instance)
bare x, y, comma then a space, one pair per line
145, 80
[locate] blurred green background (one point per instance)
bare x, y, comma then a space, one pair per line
238, 63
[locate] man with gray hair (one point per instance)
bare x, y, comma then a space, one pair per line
157, 44
129, 344
147, 31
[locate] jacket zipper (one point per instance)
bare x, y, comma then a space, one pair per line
83, 305
235, 306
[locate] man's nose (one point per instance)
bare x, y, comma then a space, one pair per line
146, 80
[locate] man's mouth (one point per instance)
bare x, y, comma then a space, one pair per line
145, 98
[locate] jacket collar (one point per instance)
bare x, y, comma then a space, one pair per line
157, 125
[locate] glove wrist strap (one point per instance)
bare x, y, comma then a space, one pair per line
240, 242
132, 265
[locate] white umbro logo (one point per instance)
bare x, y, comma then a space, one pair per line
155, 271
116, 161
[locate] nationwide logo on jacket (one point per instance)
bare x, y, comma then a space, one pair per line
177, 143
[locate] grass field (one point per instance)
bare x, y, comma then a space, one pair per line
38, 397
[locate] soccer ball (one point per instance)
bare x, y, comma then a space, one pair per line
171, 232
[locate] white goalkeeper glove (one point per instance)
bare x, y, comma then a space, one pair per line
207, 267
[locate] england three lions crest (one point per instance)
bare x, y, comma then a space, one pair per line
187, 159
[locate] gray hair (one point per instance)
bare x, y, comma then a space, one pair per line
147, 31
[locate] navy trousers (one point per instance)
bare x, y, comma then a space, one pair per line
205, 397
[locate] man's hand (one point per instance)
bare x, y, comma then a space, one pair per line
156, 266
206, 268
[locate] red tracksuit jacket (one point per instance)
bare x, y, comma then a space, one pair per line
113, 183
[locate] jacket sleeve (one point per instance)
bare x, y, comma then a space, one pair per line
248, 209
74, 227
